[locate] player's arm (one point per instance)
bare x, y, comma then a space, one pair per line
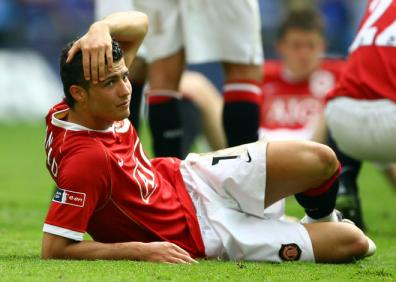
128, 28
57, 247
320, 131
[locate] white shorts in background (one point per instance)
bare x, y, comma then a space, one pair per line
103, 8
364, 129
227, 188
209, 30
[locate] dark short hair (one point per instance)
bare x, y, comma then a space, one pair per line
303, 19
73, 73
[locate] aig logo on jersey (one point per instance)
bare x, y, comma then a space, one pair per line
69, 197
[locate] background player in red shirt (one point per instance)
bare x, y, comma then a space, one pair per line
294, 92
167, 210
361, 112
295, 86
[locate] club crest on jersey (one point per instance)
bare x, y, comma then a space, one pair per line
290, 252
68, 197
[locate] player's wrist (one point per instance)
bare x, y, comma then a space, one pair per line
100, 26
137, 250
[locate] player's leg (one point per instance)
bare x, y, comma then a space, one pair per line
256, 175
307, 170
234, 235
296, 166
375, 141
237, 44
138, 74
242, 98
348, 199
164, 45
197, 88
190, 117
338, 242
164, 105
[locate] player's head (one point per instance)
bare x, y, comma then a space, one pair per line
301, 41
105, 100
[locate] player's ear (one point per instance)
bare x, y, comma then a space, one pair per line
78, 93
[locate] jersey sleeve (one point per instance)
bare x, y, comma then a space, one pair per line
83, 185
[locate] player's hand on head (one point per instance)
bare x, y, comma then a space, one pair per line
166, 252
95, 46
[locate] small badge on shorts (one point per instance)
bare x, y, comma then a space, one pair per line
290, 252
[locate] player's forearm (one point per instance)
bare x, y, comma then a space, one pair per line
57, 247
129, 26
96, 250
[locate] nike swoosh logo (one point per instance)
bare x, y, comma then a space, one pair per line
249, 160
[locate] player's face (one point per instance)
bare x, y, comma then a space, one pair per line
108, 100
301, 51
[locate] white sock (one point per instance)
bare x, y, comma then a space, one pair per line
371, 247
332, 217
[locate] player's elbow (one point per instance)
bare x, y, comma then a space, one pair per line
49, 253
143, 22
53, 246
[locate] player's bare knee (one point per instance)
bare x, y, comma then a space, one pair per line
356, 244
359, 246
326, 160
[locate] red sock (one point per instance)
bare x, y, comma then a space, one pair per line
325, 186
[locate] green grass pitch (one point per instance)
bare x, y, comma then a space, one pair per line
25, 193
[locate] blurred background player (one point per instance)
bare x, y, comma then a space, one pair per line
361, 112
196, 32
295, 85
201, 103
294, 92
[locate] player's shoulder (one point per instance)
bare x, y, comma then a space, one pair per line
84, 162
272, 69
333, 65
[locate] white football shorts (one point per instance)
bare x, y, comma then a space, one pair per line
209, 30
364, 129
103, 8
227, 188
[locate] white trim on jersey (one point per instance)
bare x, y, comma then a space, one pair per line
67, 233
76, 127
242, 87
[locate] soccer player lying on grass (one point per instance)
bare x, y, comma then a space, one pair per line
168, 210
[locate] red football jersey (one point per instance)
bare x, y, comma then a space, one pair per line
290, 109
108, 188
371, 69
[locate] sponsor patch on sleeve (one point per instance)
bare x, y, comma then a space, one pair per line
68, 197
